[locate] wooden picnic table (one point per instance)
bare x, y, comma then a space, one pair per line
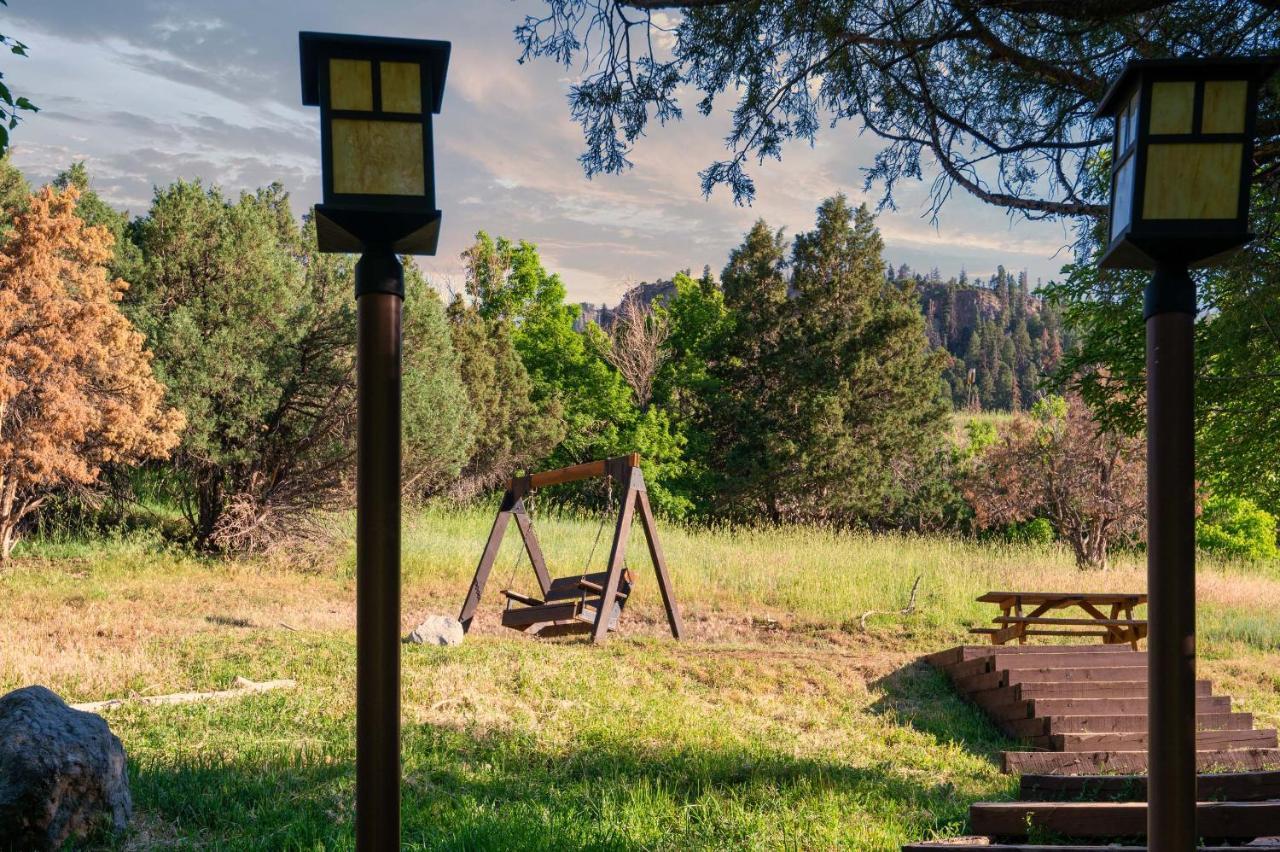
1023, 614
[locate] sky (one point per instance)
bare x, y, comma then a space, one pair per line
150, 91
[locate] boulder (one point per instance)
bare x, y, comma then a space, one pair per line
62, 772
437, 630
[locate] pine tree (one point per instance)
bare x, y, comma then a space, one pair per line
127, 259
254, 332
829, 390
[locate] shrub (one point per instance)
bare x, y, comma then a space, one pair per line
1238, 528
1034, 531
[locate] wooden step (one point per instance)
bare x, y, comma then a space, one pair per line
1093, 689
1000, 660
1229, 786
989, 698
1135, 740
1052, 674
1234, 820
1115, 706
1130, 762
1115, 723
968, 652
1006, 707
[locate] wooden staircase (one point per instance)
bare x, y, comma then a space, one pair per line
1083, 709
1082, 712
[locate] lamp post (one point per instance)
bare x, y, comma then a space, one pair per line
1180, 173
376, 99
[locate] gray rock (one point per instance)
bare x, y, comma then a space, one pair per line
62, 772
437, 630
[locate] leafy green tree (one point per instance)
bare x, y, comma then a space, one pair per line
1237, 356
697, 321
253, 332
508, 284
1236, 527
439, 423
828, 401
15, 194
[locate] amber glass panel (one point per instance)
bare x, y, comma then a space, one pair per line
401, 87
1192, 181
1171, 107
377, 157
1224, 106
350, 84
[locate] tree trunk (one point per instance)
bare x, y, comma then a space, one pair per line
8, 538
8, 517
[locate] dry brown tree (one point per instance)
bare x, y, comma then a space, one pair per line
635, 349
76, 386
1089, 482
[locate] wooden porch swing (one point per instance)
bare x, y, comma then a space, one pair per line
573, 604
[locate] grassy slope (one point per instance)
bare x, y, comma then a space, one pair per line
780, 724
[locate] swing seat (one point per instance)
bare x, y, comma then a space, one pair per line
574, 604
567, 609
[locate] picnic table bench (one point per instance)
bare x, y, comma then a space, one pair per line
1023, 614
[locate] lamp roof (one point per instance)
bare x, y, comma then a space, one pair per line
1243, 67
313, 46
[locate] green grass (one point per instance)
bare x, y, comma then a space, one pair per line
779, 724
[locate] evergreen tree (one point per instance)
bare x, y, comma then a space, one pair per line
439, 424
512, 430
127, 258
256, 348
15, 194
827, 388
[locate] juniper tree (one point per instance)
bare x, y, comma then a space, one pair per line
77, 389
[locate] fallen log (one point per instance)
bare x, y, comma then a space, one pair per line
243, 686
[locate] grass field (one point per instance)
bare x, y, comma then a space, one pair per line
780, 724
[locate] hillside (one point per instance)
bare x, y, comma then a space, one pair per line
1003, 339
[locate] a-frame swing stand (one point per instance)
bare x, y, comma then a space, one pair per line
573, 604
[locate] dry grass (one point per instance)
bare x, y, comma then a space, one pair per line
779, 724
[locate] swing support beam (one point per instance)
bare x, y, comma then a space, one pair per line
624, 470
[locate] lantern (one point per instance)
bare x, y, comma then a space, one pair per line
1182, 159
376, 97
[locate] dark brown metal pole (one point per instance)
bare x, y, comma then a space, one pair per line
1171, 567
379, 297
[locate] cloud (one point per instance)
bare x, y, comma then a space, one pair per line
151, 91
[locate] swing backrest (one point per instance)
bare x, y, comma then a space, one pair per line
568, 588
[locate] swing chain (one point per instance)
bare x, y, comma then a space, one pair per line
528, 513
604, 518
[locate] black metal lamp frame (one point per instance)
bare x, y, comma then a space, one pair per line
352, 222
